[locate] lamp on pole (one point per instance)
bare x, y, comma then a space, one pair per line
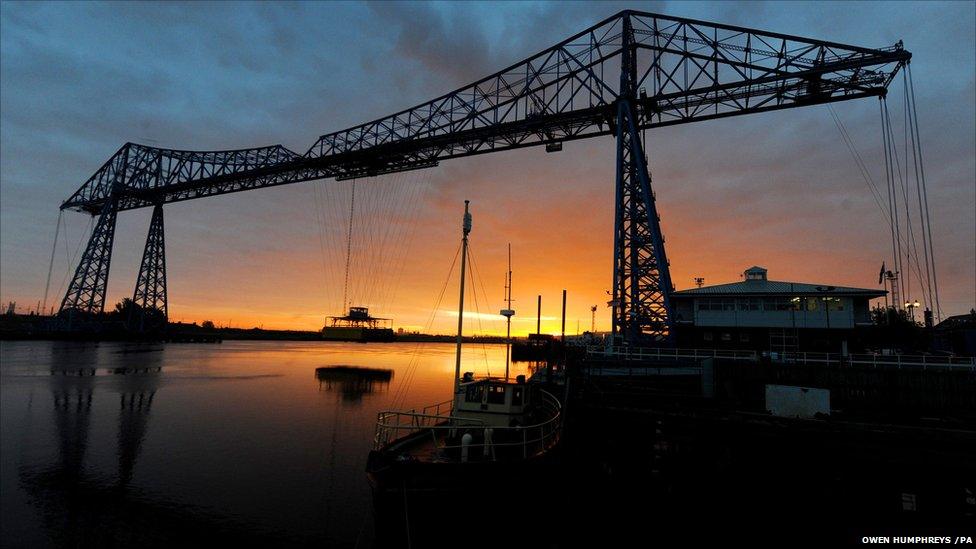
911, 306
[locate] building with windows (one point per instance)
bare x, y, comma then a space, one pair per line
769, 315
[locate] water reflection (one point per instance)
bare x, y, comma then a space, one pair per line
353, 382
80, 505
142, 445
136, 385
72, 385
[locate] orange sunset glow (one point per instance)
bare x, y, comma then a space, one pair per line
779, 189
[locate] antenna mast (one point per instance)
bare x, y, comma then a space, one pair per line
508, 313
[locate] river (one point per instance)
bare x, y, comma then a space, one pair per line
116, 444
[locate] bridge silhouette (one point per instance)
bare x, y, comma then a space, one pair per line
629, 72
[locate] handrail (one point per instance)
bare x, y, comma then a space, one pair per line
643, 353
874, 360
532, 439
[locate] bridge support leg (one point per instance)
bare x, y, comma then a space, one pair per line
149, 298
642, 281
86, 293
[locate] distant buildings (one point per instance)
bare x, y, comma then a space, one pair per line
769, 315
956, 334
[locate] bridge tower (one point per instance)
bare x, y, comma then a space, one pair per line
86, 293
150, 292
641, 279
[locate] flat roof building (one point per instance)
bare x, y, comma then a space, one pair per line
762, 314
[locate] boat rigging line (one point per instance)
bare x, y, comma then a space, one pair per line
400, 393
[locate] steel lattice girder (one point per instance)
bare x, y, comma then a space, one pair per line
642, 280
686, 71
86, 292
150, 292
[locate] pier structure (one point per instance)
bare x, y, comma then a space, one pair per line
628, 73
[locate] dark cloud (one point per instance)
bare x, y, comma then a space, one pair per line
79, 79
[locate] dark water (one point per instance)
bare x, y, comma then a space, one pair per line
122, 445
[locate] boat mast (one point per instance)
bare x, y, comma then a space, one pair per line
466, 227
508, 312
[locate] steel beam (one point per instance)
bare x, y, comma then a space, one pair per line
642, 280
151, 307
672, 71
86, 293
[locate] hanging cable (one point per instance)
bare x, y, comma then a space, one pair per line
910, 244
352, 210
898, 185
71, 261
859, 162
892, 200
50, 265
900, 244
910, 127
921, 164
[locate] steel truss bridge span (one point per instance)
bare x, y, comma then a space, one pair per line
627, 73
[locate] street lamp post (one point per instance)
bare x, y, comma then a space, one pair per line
911, 306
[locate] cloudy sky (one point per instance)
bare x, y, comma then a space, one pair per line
780, 190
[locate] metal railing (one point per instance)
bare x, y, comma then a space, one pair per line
870, 360
664, 353
876, 360
489, 443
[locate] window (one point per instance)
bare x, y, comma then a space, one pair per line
474, 393
707, 336
496, 394
726, 336
753, 304
744, 337
777, 304
812, 304
716, 304
517, 396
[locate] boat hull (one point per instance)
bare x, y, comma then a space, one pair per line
427, 504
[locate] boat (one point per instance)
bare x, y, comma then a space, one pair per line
492, 430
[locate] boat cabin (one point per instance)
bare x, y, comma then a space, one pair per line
494, 401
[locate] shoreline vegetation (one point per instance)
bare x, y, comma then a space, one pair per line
18, 326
